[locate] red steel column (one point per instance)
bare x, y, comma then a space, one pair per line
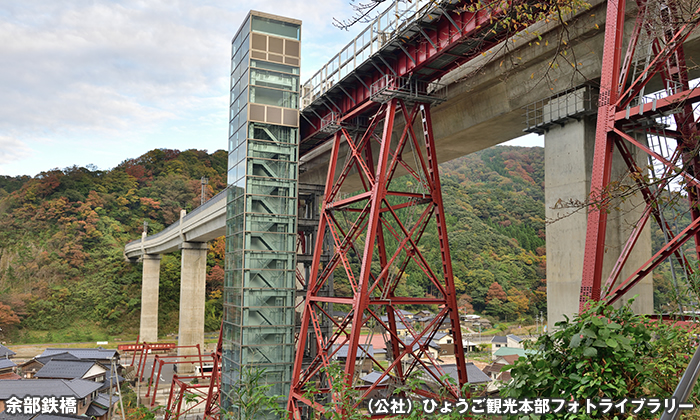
602, 157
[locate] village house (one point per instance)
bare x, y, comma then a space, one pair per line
83, 391
73, 369
363, 363
6, 353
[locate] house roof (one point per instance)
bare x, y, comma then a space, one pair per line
90, 354
58, 356
100, 405
79, 388
510, 359
95, 410
343, 351
65, 369
404, 313
9, 376
20, 416
514, 338
434, 344
5, 352
507, 351
7, 364
399, 324
439, 335
474, 374
499, 339
57, 417
377, 341
105, 383
373, 376
103, 400
493, 368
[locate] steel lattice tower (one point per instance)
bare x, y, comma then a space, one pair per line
380, 227
625, 114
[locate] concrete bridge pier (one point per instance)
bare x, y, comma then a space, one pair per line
568, 165
192, 298
148, 330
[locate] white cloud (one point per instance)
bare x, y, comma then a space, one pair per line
127, 71
11, 150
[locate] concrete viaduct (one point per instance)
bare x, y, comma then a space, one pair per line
486, 102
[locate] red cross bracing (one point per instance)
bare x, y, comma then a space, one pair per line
629, 119
378, 116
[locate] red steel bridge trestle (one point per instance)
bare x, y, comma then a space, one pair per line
655, 49
381, 227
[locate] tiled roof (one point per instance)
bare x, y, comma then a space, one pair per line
47, 388
65, 369
373, 376
499, 339
103, 400
399, 324
438, 335
511, 358
474, 374
493, 368
5, 416
105, 383
9, 376
95, 411
343, 351
83, 387
57, 356
90, 354
7, 364
57, 417
5, 352
515, 338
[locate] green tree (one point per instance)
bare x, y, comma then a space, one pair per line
250, 399
603, 353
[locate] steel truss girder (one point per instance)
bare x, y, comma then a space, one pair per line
616, 115
382, 234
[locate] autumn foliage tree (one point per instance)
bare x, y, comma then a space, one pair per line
8, 318
496, 292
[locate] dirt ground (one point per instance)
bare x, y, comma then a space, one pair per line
26, 351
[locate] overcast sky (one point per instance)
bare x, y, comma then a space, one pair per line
97, 82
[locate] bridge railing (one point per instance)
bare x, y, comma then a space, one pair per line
383, 29
175, 226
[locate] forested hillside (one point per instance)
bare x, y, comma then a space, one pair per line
494, 201
62, 234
